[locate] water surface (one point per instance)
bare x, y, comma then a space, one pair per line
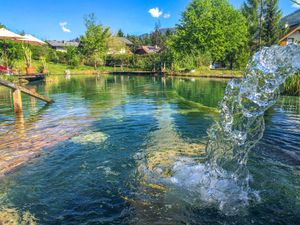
82, 159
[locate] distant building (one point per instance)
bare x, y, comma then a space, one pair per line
61, 45
147, 50
118, 46
292, 24
125, 41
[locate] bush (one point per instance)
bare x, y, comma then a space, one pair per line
72, 57
10, 52
292, 85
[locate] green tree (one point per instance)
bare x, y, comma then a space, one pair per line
120, 33
272, 16
250, 10
210, 27
156, 36
72, 56
93, 44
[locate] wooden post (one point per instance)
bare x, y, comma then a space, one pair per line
17, 101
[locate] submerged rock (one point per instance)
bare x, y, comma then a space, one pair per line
87, 138
10, 216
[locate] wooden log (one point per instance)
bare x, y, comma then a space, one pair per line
25, 90
17, 101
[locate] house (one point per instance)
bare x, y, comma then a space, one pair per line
147, 50
292, 24
119, 46
61, 45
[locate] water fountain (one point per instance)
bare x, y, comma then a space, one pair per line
223, 180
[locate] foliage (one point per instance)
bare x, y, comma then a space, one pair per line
156, 36
43, 62
9, 53
263, 17
292, 85
116, 46
150, 62
72, 56
120, 33
210, 27
38, 51
93, 44
271, 29
250, 10
27, 55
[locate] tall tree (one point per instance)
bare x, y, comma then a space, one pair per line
272, 16
93, 44
250, 10
210, 26
156, 36
120, 33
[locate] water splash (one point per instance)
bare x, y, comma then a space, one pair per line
223, 180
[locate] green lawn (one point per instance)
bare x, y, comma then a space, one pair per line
57, 68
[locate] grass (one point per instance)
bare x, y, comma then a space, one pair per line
54, 68
292, 85
58, 68
206, 72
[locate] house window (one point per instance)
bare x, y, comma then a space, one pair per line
290, 41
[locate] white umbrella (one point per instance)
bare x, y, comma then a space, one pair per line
8, 35
28, 38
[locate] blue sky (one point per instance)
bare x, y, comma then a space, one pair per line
63, 19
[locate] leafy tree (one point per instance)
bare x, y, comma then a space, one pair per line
120, 33
272, 16
93, 44
250, 10
211, 27
72, 56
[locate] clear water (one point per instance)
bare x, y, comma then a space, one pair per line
223, 179
105, 153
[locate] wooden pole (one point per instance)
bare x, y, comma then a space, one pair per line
17, 101
25, 90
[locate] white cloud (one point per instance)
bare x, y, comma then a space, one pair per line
63, 27
155, 12
167, 15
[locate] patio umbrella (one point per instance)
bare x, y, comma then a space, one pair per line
29, 39
9, 35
